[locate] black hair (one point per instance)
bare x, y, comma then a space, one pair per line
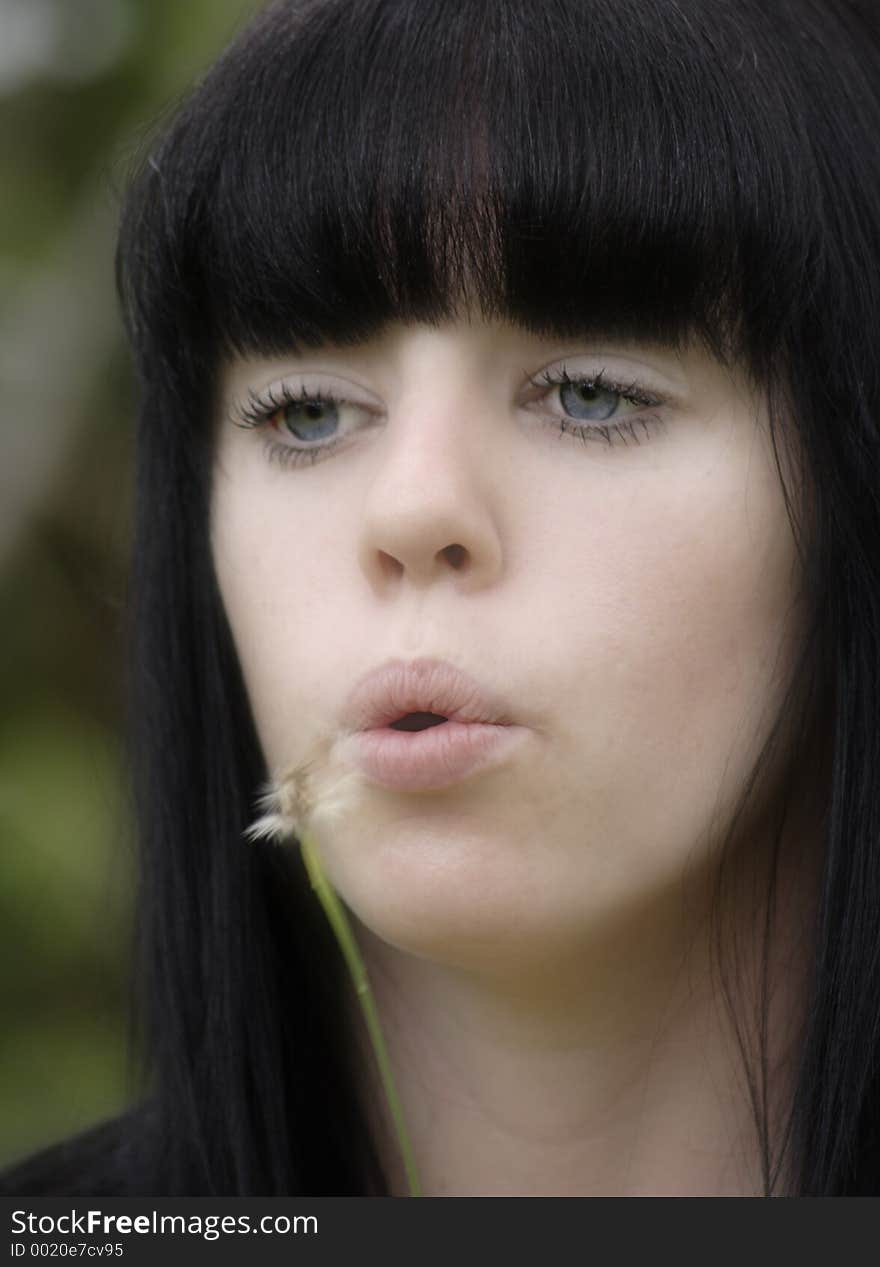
660, 169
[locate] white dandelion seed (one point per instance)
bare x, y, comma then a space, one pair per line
316, 790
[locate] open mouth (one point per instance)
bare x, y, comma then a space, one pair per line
418, 721
437, 752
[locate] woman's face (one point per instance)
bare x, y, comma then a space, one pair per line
628, 586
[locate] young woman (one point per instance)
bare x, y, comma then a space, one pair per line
509, 379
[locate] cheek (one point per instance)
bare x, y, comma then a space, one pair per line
677, 634
272, 596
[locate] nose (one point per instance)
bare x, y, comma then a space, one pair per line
433, 508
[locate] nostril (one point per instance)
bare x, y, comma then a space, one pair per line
418, 721
455, 555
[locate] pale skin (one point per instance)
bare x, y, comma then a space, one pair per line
535, 935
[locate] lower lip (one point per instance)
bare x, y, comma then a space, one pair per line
431, 758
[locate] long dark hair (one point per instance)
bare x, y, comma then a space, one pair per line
651, 168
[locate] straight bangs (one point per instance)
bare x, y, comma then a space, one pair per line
617, 167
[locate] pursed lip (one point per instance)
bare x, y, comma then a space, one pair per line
426, 685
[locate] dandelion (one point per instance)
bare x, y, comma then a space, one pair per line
314, 792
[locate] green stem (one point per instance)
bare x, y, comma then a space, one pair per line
340, 925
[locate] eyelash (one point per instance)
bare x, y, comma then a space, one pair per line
260, 409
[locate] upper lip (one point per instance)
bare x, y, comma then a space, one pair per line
389, 692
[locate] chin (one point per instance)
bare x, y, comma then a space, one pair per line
459, 917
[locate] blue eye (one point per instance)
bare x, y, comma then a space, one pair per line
594, 407
301, 417
316, 420
588, 401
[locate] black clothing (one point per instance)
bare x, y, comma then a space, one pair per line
97, 1162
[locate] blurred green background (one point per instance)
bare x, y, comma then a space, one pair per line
82, 84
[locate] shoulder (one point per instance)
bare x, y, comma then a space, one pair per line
98, 1162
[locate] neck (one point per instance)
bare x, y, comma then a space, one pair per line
613, 1069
